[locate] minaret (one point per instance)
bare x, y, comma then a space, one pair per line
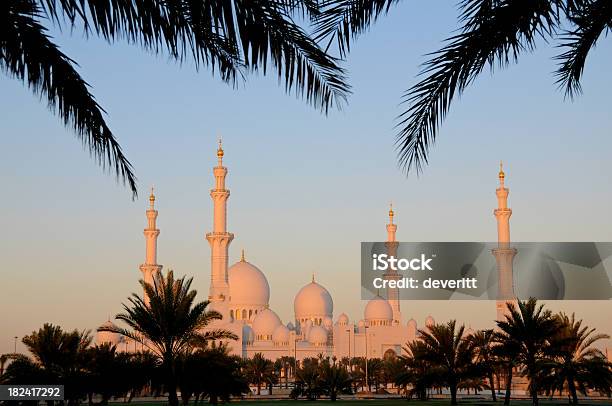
504, 254
391, 244
150, 267
219, 239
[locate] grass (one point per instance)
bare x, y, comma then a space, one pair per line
390, 402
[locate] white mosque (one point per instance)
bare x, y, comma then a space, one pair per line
241, 293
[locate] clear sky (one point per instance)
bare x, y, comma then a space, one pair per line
305, 188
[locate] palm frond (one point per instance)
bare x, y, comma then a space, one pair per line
591, 21
28, 54
493, 32
343, 20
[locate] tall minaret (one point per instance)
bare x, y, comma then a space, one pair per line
219, 239
504, 254
392, 293
150, 267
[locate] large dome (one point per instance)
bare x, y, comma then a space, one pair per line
378, 309
248, 286
264, 324
313, 301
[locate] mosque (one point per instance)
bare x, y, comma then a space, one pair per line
241, 293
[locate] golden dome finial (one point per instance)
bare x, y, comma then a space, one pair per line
220, 148
502, 175
152, 197
391, 212
313, 277
242, 256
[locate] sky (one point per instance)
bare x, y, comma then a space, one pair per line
306, 188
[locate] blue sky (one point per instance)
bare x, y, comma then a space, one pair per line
306, 188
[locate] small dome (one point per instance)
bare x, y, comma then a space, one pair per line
429, 321
378, 309
108, 337
317, 336
280, 335
361, 323
313, 300
265, 323
247, 334
343, 319
248, 286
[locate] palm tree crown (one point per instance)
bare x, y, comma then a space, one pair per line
170, 323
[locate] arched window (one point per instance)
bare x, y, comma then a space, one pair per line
250, 313
231, 314
244, 313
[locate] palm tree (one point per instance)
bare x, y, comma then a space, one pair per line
259, 370
482, 342
231, 38
493, 34
448, 350
335, 379
62, 355
577, 365
308, 380
507, 352
169, 323
532, 328
417, 373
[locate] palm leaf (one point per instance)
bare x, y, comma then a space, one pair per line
493, 33
28, 54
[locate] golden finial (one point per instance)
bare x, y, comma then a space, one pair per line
220, 149
152, 197
313, 278
242, 257
391, 212
502, 175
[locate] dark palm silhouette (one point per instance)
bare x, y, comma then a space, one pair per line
259, 371
576, 364
61, 355
532, 327
418, 376
482, 342
169, 323
493, 34
232, 38
507, 353
335, 379
447, 349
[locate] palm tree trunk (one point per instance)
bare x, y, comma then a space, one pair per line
492, 384
171, 384
258, 388
453, 391
508, 385
572, 390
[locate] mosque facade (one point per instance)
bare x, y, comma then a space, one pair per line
241, 293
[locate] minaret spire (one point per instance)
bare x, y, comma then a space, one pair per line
504, 254
219, 239
391, 244
150, 266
